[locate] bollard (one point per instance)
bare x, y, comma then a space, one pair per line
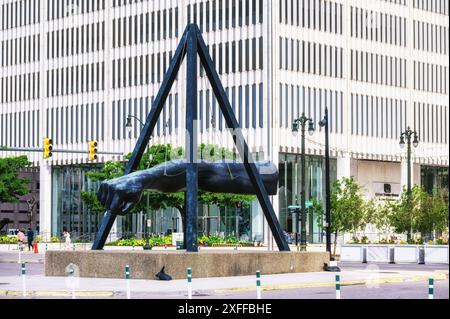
127, 279
421, 256
24, 284
391, 255
35, 248
46, 247
73, 247
364, 255
189, 278
258, 284
431, 288
20, 255
338, 287
71, 272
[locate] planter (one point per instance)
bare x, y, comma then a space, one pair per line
406, 253
377, 253
436, 254
351, 253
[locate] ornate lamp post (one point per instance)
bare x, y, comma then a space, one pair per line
300, 123
406, 136
129, 127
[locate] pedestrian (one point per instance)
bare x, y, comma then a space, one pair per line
67, 239
30, 237
20, 239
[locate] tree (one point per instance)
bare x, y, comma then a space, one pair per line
402, 215
347, 208
11, 186
432, 211
382, 216
440, 210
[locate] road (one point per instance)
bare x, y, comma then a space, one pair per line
415, 290
358, 281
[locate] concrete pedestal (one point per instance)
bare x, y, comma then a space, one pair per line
145, 264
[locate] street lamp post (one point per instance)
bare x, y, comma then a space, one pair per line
300, 123
407, 135
129, 126
324, 123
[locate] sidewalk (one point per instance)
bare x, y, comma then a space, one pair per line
42, 286
25, 256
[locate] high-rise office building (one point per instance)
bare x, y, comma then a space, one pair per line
74, 70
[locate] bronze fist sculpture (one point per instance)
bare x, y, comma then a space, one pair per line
121, 194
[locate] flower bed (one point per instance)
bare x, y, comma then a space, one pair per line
153, 241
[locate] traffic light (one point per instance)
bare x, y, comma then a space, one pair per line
92, 150
48, 146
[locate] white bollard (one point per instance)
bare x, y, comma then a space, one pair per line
431, 288
127, 279
72, 283
20, 255
338, 287
189, 278
258, 284
24, 283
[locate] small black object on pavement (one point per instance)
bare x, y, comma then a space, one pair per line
162, 275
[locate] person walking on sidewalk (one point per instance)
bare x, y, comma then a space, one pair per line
67, 239
30, 238
20, 239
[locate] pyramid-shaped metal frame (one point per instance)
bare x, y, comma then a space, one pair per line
191, 44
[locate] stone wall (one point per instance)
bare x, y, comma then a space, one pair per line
145, 264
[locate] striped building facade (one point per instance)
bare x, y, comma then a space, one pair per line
73, 70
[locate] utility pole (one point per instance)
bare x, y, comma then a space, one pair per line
324, 123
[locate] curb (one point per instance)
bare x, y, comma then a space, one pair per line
332, 284
40, 261
44, 293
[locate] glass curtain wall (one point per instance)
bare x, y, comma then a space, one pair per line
290, 193
221, 221
68, 211
434, 177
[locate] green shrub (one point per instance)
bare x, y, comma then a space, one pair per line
167, 240
8, 240
365, 240
415, 241
153, 241
55, 239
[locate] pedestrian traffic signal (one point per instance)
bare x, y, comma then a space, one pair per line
48, 146
92, 150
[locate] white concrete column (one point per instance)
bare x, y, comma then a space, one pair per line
115, 230
415, 174
45, 200
346, 167
270, 118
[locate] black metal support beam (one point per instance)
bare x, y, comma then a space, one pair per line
191, 142
241, 144
193, 43
147, 130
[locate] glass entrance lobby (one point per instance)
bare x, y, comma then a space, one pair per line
290, 193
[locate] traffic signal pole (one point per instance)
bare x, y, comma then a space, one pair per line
28, 149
